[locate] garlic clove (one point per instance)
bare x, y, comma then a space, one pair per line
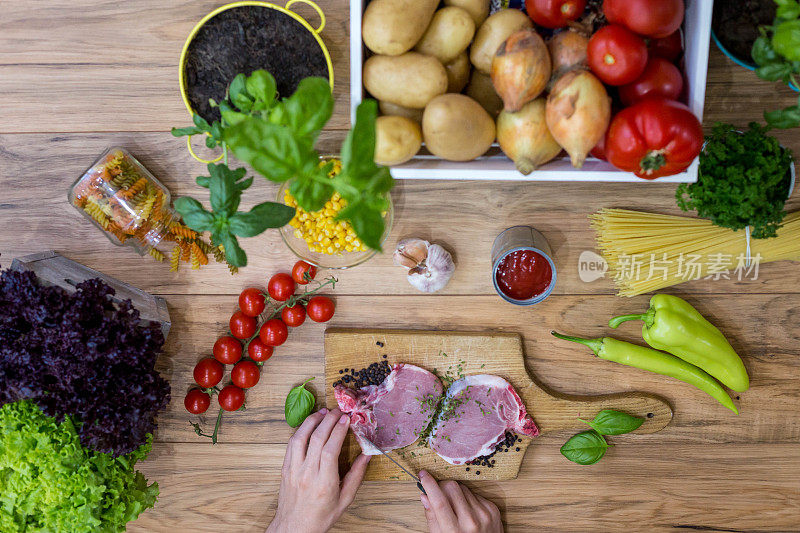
411, 252
434, 273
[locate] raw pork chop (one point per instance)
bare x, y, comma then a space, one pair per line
393, 414
475, 415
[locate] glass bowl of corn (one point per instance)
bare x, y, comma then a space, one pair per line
317, 238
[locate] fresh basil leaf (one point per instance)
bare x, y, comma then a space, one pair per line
358, 150
611, 422
191, 130
367, 222
299, 404
311, 192
244, 184
225, 195
202, 181
259, 218
310, 107
262, 87
234, 254
194, 214
585, 448
787, 9
763, 53
237, 93
272, 150
783, 118
774, 71
786, 39
200, 122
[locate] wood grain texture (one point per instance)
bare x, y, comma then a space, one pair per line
456, 354
77, 77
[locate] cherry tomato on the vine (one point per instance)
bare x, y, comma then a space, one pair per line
281, 287
617, 55
242, 326
227, 350
252, 302
258, 351
274, 332
320, 308
299, 271
554, 13
294, 316
245, 374
231, 398
197, 401
208, 372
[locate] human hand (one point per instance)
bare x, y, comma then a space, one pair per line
452, 508
311, 498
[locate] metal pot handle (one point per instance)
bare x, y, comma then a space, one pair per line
315, 7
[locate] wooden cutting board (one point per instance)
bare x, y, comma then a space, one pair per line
477, 353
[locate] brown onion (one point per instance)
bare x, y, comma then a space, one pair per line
524, 136
578, 112
567, 51
520, 69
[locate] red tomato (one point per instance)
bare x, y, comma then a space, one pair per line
660, 78
617, 55
274, 332
653, 18
554, 13
294, 316
208, 372
281, 287
599, 151
231, 398
258, 351
242, 326
320, 308
299, 271
252, 302
669, 47
197, 401
656, 137
245, 374
227, 350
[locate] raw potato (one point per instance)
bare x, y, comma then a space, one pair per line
458, 73
393, 27
397, 139
524, 137
410, 80
449, 33
492, 33
477, 9
481, 90
388, 108
455, 127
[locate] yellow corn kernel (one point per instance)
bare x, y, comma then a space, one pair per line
298, 234
348, 237
349, 248
331, 249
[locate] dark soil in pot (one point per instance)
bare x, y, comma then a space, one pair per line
736, 23
244, 39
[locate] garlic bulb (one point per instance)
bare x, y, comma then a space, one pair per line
429, 266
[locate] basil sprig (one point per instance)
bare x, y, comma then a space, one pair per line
299, 404
588, 447
276, 137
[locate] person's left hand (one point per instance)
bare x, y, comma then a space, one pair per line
311, 498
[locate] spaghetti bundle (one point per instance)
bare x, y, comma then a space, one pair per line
646, 251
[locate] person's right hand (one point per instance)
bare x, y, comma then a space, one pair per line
452, 508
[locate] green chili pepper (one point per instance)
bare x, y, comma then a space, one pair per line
651, 360
673, 325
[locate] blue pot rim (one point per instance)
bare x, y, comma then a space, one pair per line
539, 297
742, 63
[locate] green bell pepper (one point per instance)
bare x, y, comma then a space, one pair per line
673, 325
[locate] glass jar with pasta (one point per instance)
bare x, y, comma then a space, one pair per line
132, 208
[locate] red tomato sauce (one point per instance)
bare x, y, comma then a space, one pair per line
524, 274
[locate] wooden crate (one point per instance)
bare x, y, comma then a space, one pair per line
54, 269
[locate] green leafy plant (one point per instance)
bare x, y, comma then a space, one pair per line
276, 137
743, 180
299, 404
776, 53
588, 447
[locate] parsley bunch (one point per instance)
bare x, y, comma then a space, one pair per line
276, 137
744, 181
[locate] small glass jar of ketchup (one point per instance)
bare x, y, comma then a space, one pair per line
523, 271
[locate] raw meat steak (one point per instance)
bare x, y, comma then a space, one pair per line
475, 415
393, 414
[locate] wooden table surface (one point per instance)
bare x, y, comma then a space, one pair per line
78, 76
